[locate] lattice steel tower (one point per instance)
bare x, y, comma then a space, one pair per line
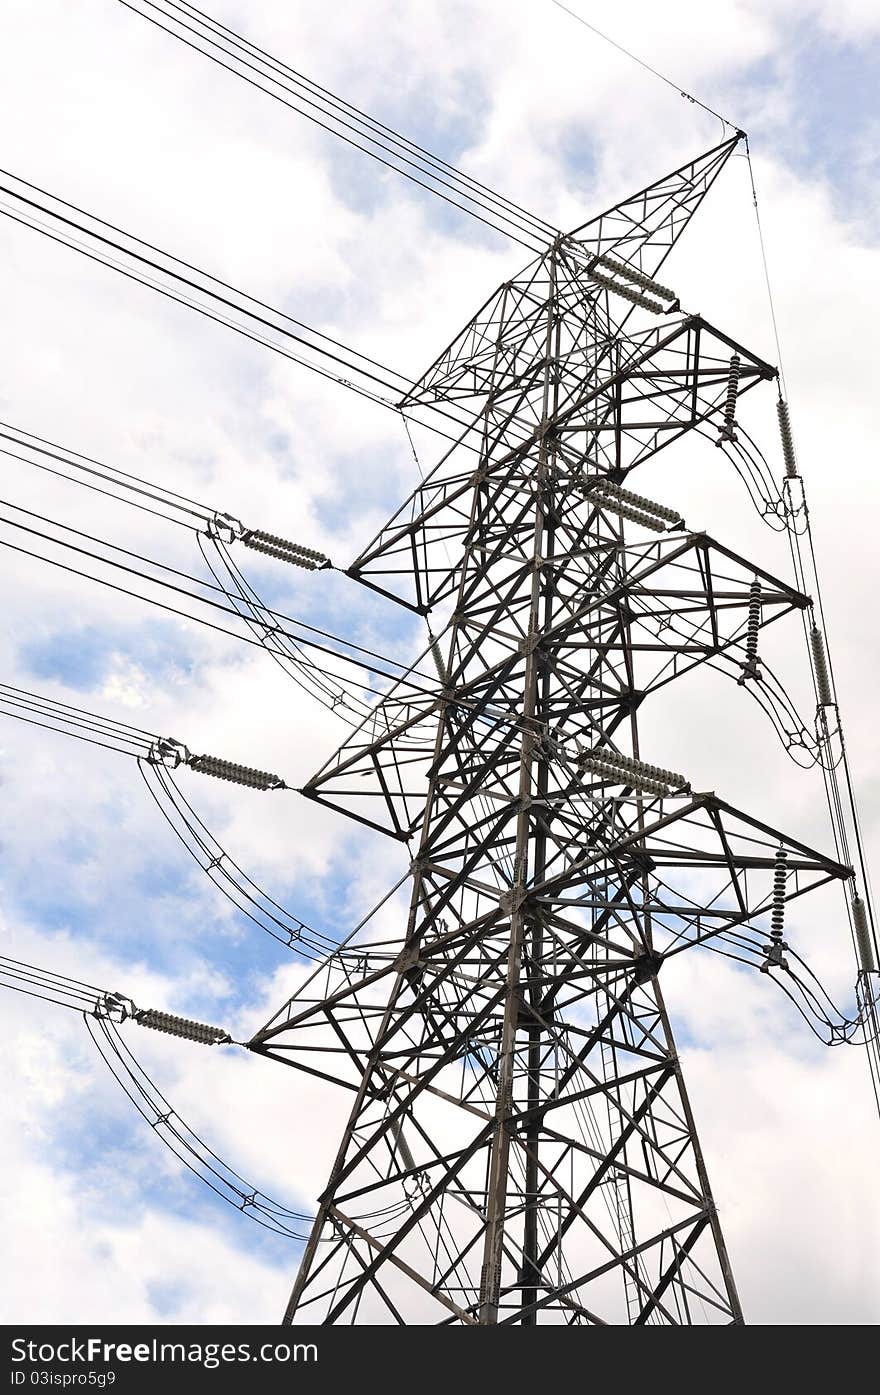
520, 1146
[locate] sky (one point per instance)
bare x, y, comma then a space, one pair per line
97, 106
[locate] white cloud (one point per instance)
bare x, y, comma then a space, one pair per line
100, 107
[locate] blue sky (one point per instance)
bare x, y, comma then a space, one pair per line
91, 877
834, 133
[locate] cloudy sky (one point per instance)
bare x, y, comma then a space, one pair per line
105, 111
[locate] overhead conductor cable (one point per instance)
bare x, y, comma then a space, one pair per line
277, 79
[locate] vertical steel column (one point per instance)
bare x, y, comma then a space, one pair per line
531, 738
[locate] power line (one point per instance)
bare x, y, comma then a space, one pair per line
317, 104
217, 300
101, 1012
208, 525
766, 267
64, 463
310, 635
226, 874
186, 1145
695, 101
60, 989
527, 998
54, 715
151, 752
338, 693
394, 671
63, 226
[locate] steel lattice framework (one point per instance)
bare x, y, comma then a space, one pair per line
520, 1146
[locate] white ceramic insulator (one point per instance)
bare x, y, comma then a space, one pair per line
438, 662
645, 301
640, 502
820, 666
788, 454
184, 1027
638, 278
863, 934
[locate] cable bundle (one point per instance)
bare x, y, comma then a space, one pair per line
331, 113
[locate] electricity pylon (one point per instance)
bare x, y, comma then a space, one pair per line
520, 1146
